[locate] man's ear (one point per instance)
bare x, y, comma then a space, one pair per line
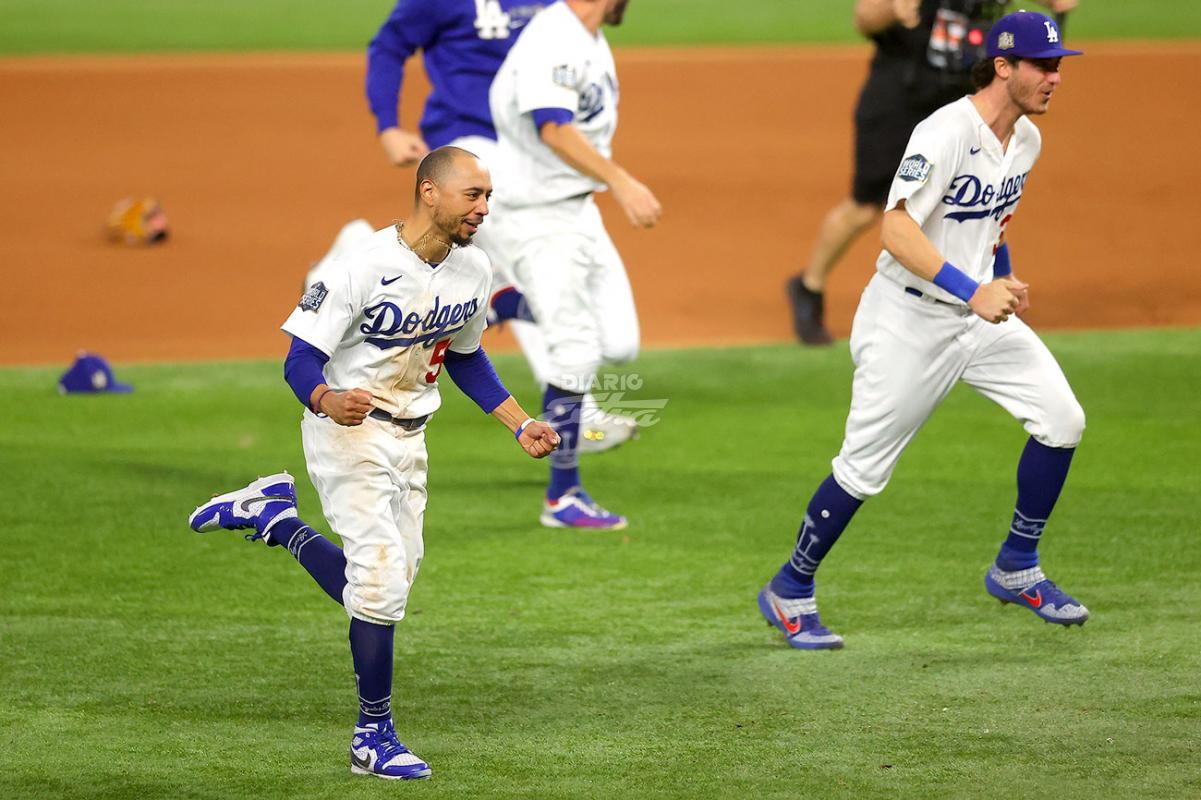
428, 191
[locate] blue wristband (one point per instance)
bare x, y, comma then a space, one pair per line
951, 278
1001, 265
521, 429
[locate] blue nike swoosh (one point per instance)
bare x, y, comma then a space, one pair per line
386, 282
973, 151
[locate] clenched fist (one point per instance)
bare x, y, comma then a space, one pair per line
538, 439
996, 300
346, 408
403, 149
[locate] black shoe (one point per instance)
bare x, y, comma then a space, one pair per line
808, 313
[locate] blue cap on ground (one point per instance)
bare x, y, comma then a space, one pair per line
90, 373
1026, 34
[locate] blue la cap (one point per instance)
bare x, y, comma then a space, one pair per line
90, 373
1026, 34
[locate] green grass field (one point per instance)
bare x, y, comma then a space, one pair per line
79, 26
141, 660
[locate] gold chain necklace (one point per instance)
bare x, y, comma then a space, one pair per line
400, 226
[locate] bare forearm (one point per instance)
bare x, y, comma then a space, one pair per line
903, 238
510, 414
1060, 6
873, 16
578, 153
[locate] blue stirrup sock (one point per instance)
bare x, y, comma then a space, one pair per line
371, 649
1042, 471
562, 410
370, 644
827, 516
323, 559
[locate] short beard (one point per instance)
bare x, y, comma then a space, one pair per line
448, 226
1028, 106
618, 13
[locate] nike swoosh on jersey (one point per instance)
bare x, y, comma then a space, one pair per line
388, 281
973, 150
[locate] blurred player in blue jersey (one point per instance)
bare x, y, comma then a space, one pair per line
462, 44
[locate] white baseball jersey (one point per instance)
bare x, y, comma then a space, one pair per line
386, 318
555, 63
910, 350
962, 188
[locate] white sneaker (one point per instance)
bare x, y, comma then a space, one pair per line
375, 750
606, 431
259, 506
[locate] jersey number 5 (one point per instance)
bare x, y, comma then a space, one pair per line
436, 360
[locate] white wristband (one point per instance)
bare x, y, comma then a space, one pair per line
521, 427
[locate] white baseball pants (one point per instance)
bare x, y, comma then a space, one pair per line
575, 282
910, 351
372, 482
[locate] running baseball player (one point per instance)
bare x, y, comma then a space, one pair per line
942, 308
369, 340
924, 51
463, 43
554, 102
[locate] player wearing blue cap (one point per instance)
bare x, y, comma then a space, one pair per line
924, 52
943, 307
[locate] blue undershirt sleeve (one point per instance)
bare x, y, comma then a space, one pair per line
474, 375
302, 369
559, 116
412, 26
1001, 265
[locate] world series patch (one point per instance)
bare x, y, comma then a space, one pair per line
915, 168
314, 297
564, 75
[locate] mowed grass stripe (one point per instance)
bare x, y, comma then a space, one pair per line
154, 662
135, 26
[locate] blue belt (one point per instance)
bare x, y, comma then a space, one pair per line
407, 424
919, 293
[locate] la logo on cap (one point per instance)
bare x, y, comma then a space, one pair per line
90, 374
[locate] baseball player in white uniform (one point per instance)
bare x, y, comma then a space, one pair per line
554, 105
369, 339
462, 44
942, 308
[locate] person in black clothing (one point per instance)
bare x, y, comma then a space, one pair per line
924, 53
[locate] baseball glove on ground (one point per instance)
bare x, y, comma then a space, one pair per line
137, 221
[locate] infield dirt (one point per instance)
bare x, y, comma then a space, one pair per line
260, 159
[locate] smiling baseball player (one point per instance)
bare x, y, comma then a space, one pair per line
462, 44
370, 338
554, 103
939, 310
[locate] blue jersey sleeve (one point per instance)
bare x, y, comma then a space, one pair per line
1002, 266
474, 375
559, 116
303, 369
413, 25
